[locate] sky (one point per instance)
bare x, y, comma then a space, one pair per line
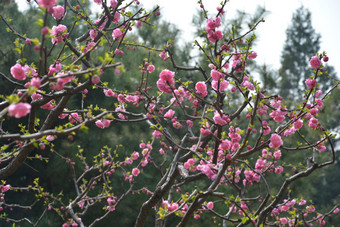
271, 34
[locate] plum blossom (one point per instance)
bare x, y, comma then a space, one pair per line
277, 154
216, 75
113, 3
35, 82
164, 55
315, 62
166, 79
103, 124
246, 83
313, 123
19, 110
213, 34
210, 205
18, 72
201, 88
135, 172
74, 117
169, 114
278, 115
58, 12
47, 3
59, 33
221, 119
275, 141
253, 55
117, 33
311, 83
157, 134
223, 85
54, 68
151, 68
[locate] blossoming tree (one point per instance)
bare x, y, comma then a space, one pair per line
213, 158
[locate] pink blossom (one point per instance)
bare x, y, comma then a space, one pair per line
253, 55
135, 172
50, 138
17, 72
164, 55
58, 12
110, 93
139, 24
190, 123
135, 155
311, 83
93, 34
278, 170
319, 103
260, 164
222, 86
318, 93
59, 33
283, 220
166, 80
35, 82
321, 147
214, 36
36, 96
100, 124
54, 68
216, 75
298, 124
99, 2
325, 58
167, 75
275, 141
169, 114
151, 68
61, 81
310, 208
95, 79
221, 119
201, 88
113, 3
44, 31
225, 145
246, 83
315, 62
336, 210
19, 110
221, 10
117, 33
278, 115
74, 118
289, 131
212, 24
157, 134
277, 154
210, 205
117, 71
313, 123
47, 3
302, 202
314, 111
266, 130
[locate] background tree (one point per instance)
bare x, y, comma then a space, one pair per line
301, 42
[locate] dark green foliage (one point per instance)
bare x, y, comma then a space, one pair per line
301, 44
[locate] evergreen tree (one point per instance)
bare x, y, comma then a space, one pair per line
302, 42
